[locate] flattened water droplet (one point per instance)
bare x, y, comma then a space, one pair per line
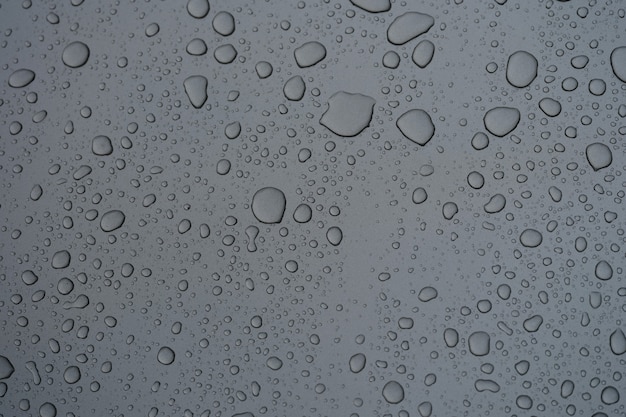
21, 78
521, 69
6, 367
101, 145
274, 363
357, 362
580, 61
486, 385
423, 53
309, 54
417, 126
479, 343
75, 54
427, 294
550, 107
166, 356
531, 238
294, 88
268, 205
61, 259
196, 47
533, 323
373, 6
393, 392
196, 90
224, 23
599, 156
198, 8
617, 342
112, 220
501, 121
618, 63
409, 26
348, 114
36, 192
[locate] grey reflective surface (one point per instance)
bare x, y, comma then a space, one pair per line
313, 208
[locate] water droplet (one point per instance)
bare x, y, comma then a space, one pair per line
610, 394
427, 294
334, 235
309, 54
268, 205
533, 323
101, 145
409, 26
604, 270
348, 114
61, 259
423, 53
6, 367
21, 78
449, 210
373, 6
112, 220
224, 23
29, 277
274, 363
294, 88
550, 107
166, 356
263, 69
71, 374
531, 238
618, 63
451, 337
198, 8
417, 126
419, 195
225, 54
196, 90
479, 343
393, 392
501, 121
196, 47
302, 213
391, 60
599, 156
617, 342
47, 410
75, 54
524, 402
521, 69
480, 141
357, 362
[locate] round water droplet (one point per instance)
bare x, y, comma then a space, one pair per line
531, 238
309, 54
449, 210
198, 8
599, 156
479, 343
417, 126
524, 402
475, 180
617, 342
223, 167
224, 23
604, 270
391, 60
112, 220
152, 29
427, 294
533, 323
47, 410
166, 356
225, 54
550, 107
71, 374
451, 337
419, 195
75, 54
357, 362
268, 205
303, 213
196, 47
263, 69
480, 141
294, 88
334, 235
501, 121
521, 69
610, 394
21, 78
29, 278
409, 26
101, 145
61, 259
393, 392
348, 114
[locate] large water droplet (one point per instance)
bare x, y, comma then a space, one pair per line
294, 88
531, 238
198, 8
417, 126
21, 78
268, 205
101, 145
409, 26
112, 220
599, 156
501, 121
309, 54
423, 53
373, 6
348, 114
75, 54
196, 90
618, 63
479, 343
357, 362
166, 356
393, 392
521, 69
